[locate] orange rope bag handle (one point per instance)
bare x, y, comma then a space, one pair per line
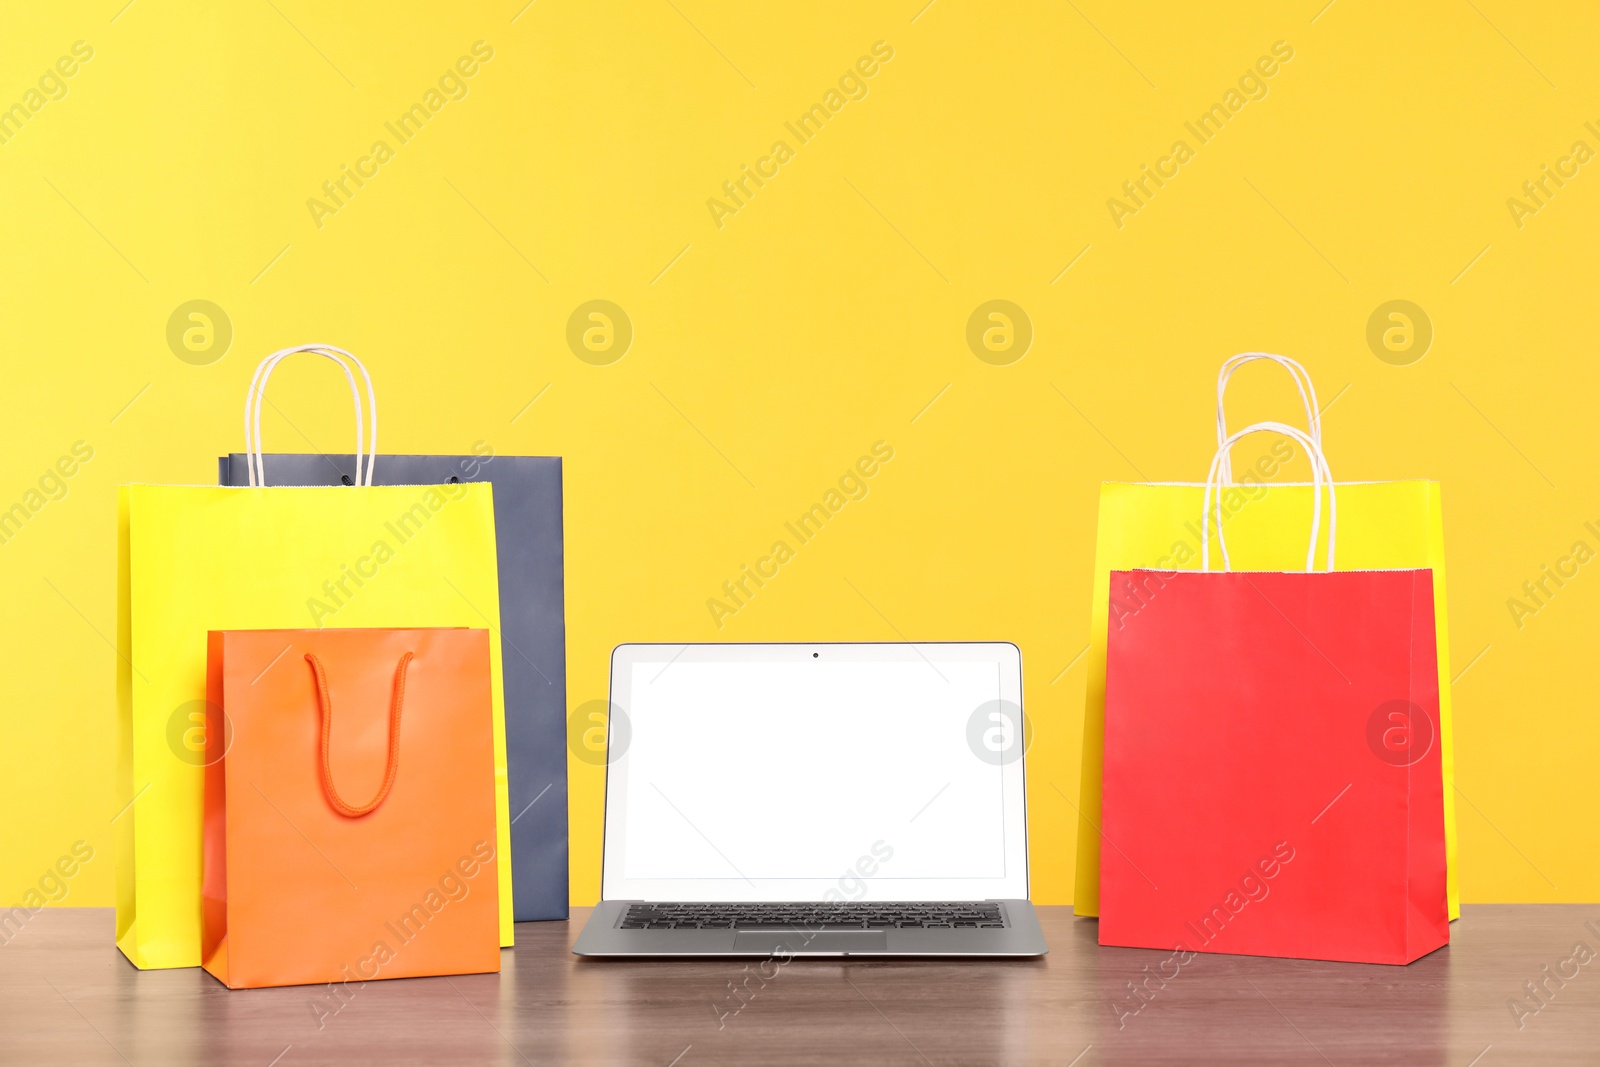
391, 766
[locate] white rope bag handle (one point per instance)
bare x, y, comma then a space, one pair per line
258, 392
1320, 476
1302, 382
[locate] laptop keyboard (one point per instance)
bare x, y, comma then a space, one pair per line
854, 916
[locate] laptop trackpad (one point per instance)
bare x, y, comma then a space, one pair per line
773, 942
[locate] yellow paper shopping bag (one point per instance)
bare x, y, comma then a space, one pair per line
198, 558
1381, 525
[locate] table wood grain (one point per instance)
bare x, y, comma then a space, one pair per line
68, 997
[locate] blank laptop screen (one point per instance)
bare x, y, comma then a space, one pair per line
785, 778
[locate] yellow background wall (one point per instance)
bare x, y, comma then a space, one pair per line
829, 312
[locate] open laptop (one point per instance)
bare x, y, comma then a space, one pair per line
815, 800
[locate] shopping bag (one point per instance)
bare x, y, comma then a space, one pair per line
194, 559
1156, 525
528, 531
1272, 780
349, 806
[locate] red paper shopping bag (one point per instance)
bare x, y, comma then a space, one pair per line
350, 806
1272, 767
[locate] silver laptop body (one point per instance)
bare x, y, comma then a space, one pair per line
815, 800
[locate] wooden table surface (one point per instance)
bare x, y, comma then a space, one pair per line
68, 997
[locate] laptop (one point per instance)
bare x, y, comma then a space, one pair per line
815, 800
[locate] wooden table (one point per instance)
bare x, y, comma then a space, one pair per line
68, 997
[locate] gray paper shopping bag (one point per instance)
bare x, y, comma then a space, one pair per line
527, 504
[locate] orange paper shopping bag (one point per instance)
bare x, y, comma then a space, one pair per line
349, 806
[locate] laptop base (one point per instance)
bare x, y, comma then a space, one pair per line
603, 936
